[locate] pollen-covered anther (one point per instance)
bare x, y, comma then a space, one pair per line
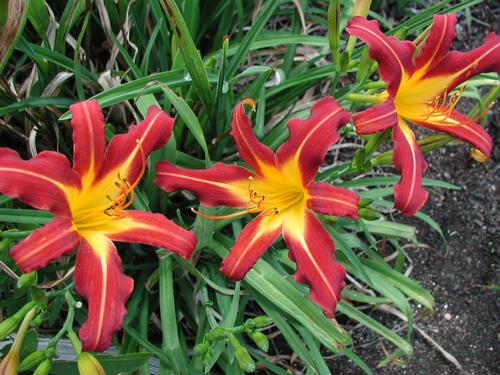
478, 155
443, 104
127, 195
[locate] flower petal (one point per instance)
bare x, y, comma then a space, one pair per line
100, 280
376, 118
124, 155
409, 195
309, 139
45, 182
252, 151
438, 42
457, 67
312, 249
220, 185
394, 56
89, 137
251, 244
46, 244
152, 229
460, 126
331, 200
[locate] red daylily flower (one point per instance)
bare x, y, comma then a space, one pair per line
281, 189
89, 202
417, 92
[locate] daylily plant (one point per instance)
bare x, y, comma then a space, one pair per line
89, 202
419, 79
282, 191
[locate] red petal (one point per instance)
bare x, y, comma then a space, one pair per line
124, 153
460, 126
313, 251
457, 67
409, 195
155, 230
309, 139
221, 185
251, 244
376, 118
46, 244
252, 151
331, 200
100, 280
89, 138
438, 42
45, 182
394, 56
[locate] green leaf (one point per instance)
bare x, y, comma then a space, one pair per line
171, 344
264, 15
143, 86
190, 54
189, 118
375, 326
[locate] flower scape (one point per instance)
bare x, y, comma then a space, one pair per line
270, 206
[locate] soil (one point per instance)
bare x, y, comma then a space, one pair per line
466, 319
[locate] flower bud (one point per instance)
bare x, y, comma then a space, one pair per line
262, 321
31, 360
260, 340
478, 155
245, 362
218, 333
43, 368
89, 365
368, 214
9, 364
27, 279
364, 202
200, 349
8, 326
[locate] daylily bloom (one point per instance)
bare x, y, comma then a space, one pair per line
89, 202
282, 191
418, 84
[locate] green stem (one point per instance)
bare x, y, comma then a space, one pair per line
68, 323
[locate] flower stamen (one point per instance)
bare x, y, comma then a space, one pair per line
127, 194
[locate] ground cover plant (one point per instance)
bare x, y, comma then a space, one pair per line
240, 225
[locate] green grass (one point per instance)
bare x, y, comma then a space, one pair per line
128, 55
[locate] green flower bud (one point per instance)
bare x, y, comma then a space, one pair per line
39, 319
8, 326
344, 61
27, 279
260, 340
31, 361
364, 202
200, 349
368, 214
216, 334
245, 362
89, 365
43, 368
262, 321
249, 324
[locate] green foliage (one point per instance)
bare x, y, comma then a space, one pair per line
128, 55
